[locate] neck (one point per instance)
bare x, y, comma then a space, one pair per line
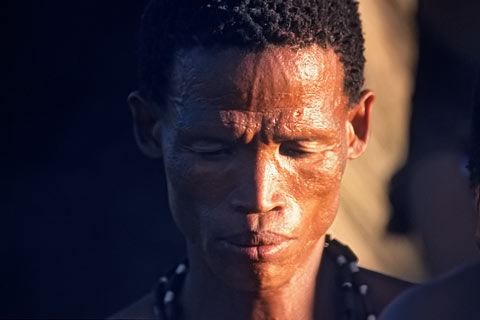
204, 296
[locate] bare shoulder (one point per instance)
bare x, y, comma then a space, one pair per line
454, 296
382, 288
142, 309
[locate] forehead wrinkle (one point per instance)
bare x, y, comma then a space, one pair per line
242, 122
278, 124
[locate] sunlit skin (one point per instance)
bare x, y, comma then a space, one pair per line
254, 146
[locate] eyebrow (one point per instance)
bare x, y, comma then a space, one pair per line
213, 134
314, 134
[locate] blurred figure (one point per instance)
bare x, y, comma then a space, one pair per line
433, 185
456, 295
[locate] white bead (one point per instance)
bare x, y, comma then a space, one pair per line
371, 317
354, 267
341, 260
163, 280
169, 296
347, 284
180, 269
363, 289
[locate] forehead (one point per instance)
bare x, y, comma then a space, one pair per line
275, 77
280, 88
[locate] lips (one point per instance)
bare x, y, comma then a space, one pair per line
259, 246
249, 239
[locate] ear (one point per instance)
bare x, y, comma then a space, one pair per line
358, 125
146, 124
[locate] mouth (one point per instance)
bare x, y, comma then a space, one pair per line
262, 246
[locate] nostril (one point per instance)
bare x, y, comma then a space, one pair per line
256, 205
277, 208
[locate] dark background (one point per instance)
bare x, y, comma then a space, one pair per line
85, 228
84, 223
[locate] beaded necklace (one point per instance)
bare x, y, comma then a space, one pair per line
355, 294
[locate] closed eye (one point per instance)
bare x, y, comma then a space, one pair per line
210, 148
299, 149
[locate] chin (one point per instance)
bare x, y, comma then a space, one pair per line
250, 269
255, 277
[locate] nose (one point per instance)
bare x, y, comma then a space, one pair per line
260, 187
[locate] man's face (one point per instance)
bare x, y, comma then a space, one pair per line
254, 147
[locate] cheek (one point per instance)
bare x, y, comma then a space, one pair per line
199, 183
195, 191
322, 177
320, 191
182, 209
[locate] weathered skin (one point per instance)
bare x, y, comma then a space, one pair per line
254, 148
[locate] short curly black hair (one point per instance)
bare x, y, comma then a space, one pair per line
171, 25
474, 154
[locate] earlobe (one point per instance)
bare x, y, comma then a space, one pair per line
358, 125
145, 124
